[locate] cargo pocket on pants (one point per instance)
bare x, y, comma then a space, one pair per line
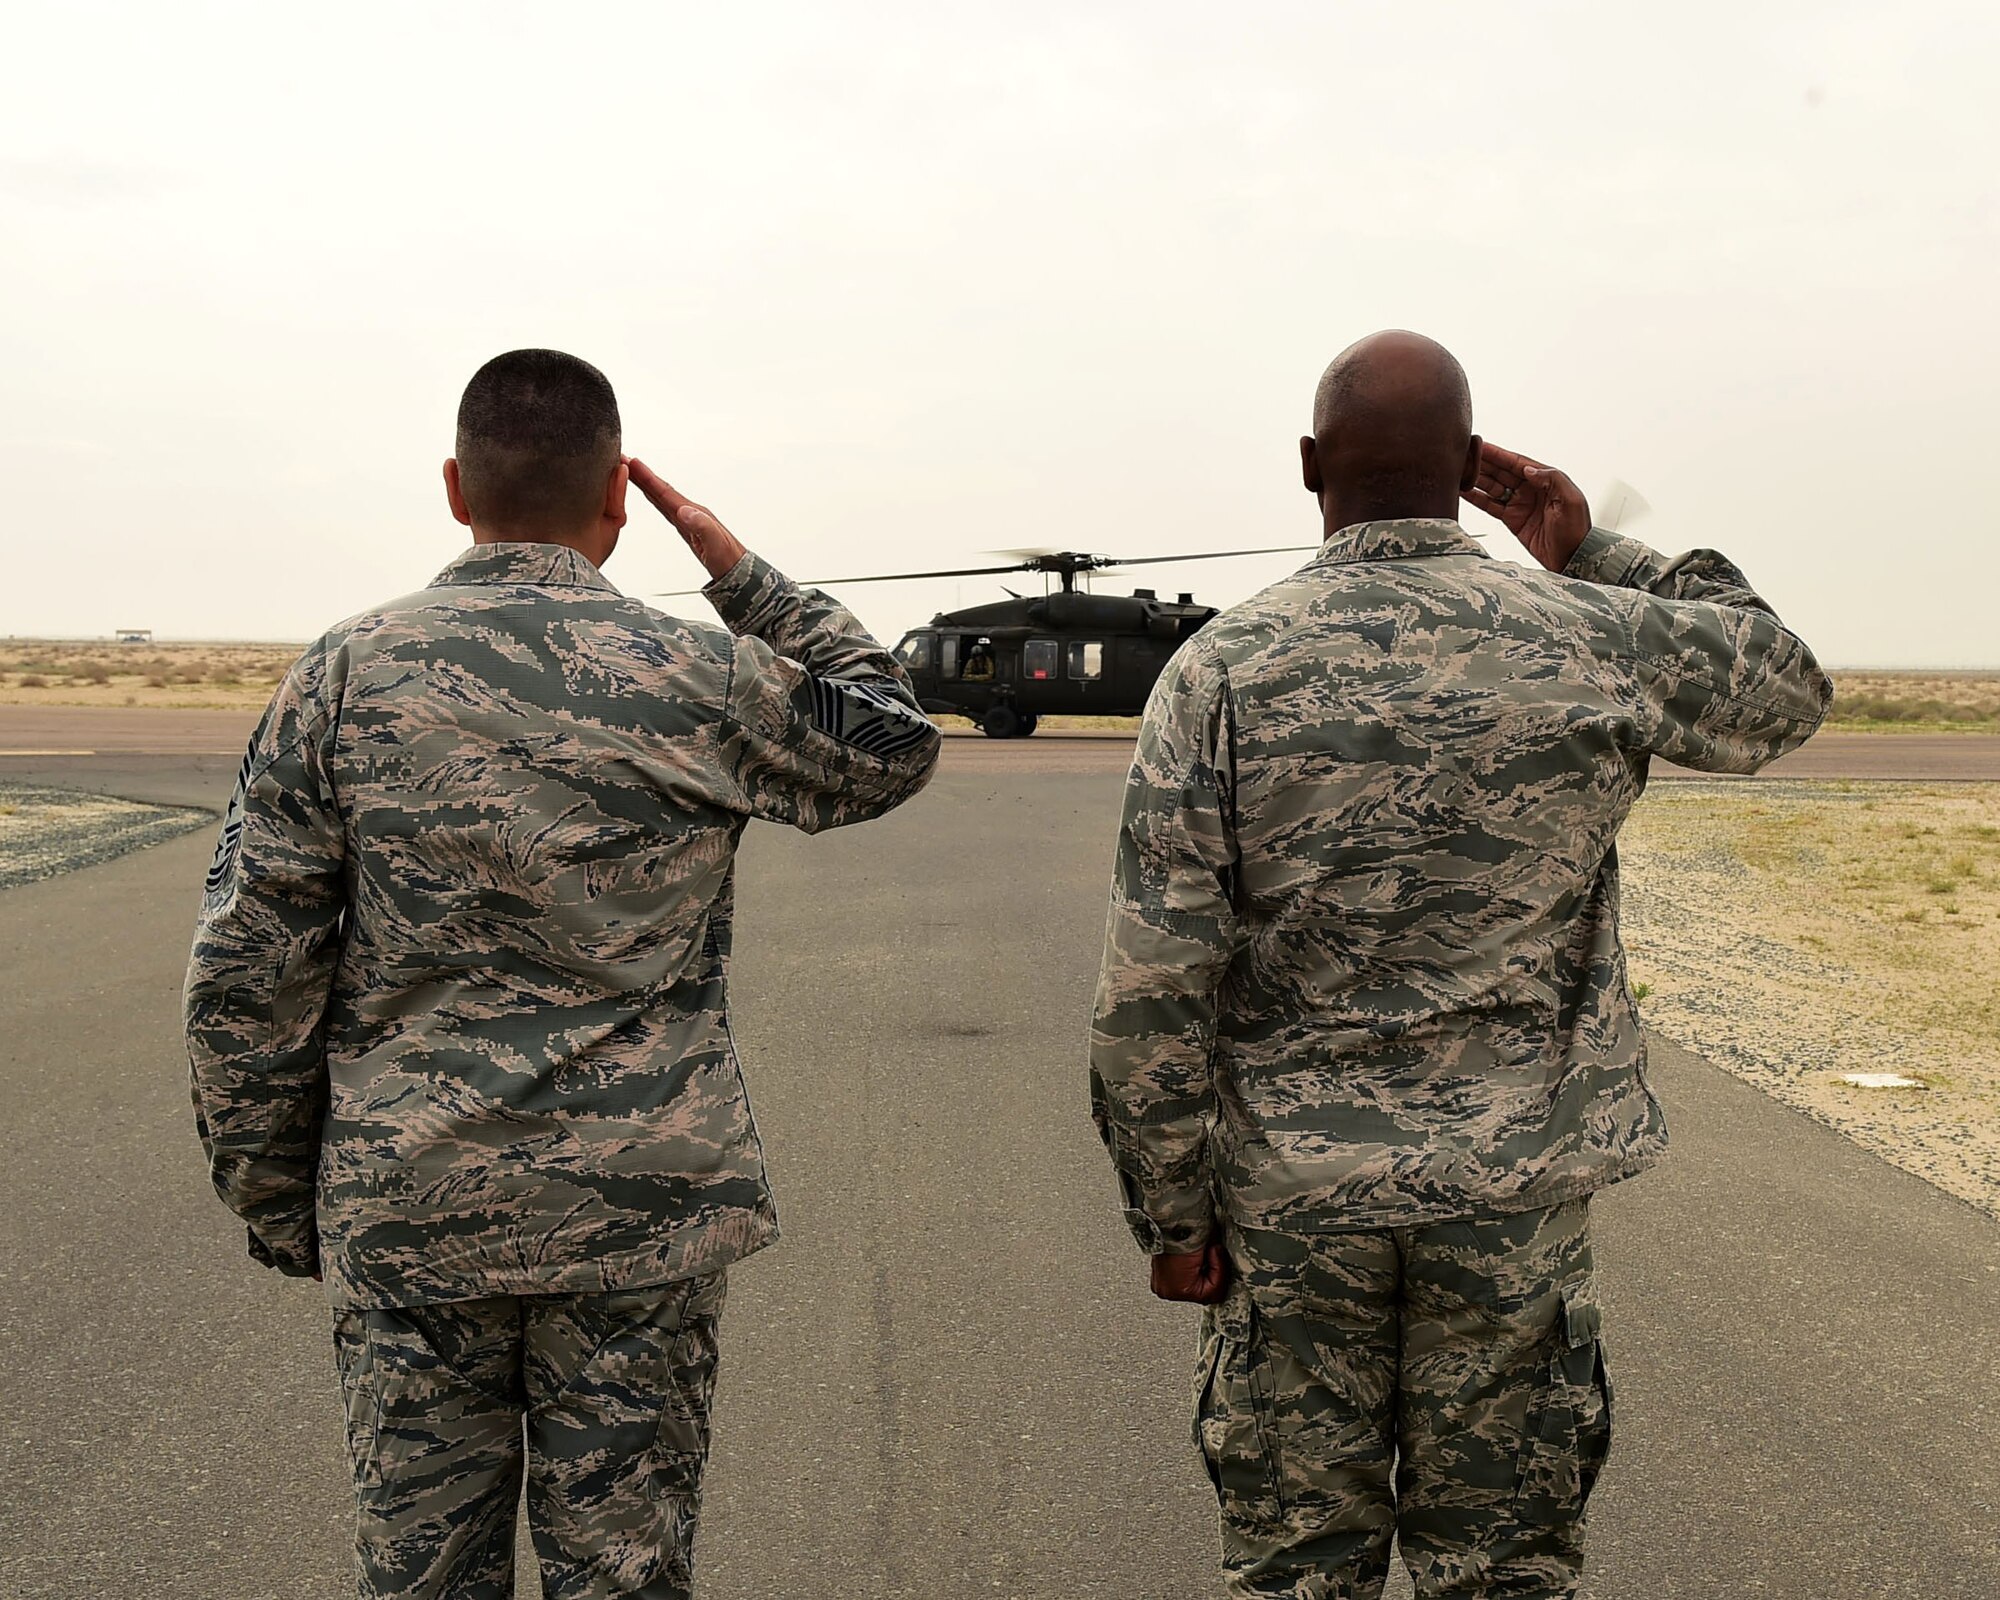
1234, 1417
680, 1446
354, 1358
1568, 1434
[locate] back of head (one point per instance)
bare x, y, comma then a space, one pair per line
538, 436
1392, 427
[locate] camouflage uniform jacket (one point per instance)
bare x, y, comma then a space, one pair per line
1362, 966
457, 1009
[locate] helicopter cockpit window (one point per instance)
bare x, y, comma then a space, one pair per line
915, 651
1038, 659
948, 656
1086, 658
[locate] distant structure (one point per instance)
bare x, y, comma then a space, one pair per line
135, 635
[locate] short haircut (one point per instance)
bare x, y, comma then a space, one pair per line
538, 437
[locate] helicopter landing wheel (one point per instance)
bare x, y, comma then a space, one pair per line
1000, 722
1029, 724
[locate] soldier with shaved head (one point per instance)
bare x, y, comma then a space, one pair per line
1364, 1045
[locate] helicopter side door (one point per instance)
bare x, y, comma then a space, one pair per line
1086, 667
1040, 687
972, 669
1136, 667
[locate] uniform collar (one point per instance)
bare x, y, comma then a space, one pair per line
1393, 539
544, 565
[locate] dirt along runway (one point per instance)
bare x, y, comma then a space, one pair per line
948, 1378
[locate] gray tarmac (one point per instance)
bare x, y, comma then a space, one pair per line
85, 738
947, 1379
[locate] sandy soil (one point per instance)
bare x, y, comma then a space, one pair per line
1793, 932
95, 673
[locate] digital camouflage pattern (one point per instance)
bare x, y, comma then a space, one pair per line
1362, 965
1462, 1357
457, 1010
616, 1390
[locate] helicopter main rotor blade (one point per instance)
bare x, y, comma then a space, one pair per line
1205, 555
874, 577
900, 577
1038, 561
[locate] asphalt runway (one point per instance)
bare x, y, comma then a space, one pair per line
31, 736
947, 1379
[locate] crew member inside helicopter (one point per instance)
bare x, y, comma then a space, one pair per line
979, 662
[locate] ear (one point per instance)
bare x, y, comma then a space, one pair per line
614, 494
1309, 461
453, 494
1469, 474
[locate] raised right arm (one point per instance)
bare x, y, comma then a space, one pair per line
821, 728
1722, 684
819, 725
1718, 682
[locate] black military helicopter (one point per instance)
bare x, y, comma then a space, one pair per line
1070, 652
1066, 652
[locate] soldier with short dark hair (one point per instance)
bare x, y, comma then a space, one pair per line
1364, 1045
457, 1010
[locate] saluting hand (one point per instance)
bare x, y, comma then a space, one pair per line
1201, 1276
714, 546
1539, 504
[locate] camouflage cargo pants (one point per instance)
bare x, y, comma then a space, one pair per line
1442, 1384
614, 1392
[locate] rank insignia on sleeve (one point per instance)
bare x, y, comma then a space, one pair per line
220, 883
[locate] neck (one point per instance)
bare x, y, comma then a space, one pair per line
1342, 510
590, 545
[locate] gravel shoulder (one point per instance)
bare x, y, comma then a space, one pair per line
46, 831
1793, 933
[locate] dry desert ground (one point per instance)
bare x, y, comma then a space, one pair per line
231, 675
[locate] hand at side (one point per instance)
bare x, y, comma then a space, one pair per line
1201, 1276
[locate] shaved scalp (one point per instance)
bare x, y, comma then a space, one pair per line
538, 438
1392, 422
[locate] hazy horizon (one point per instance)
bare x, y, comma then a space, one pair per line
892, 293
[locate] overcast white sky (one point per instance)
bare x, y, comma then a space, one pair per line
895, 284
